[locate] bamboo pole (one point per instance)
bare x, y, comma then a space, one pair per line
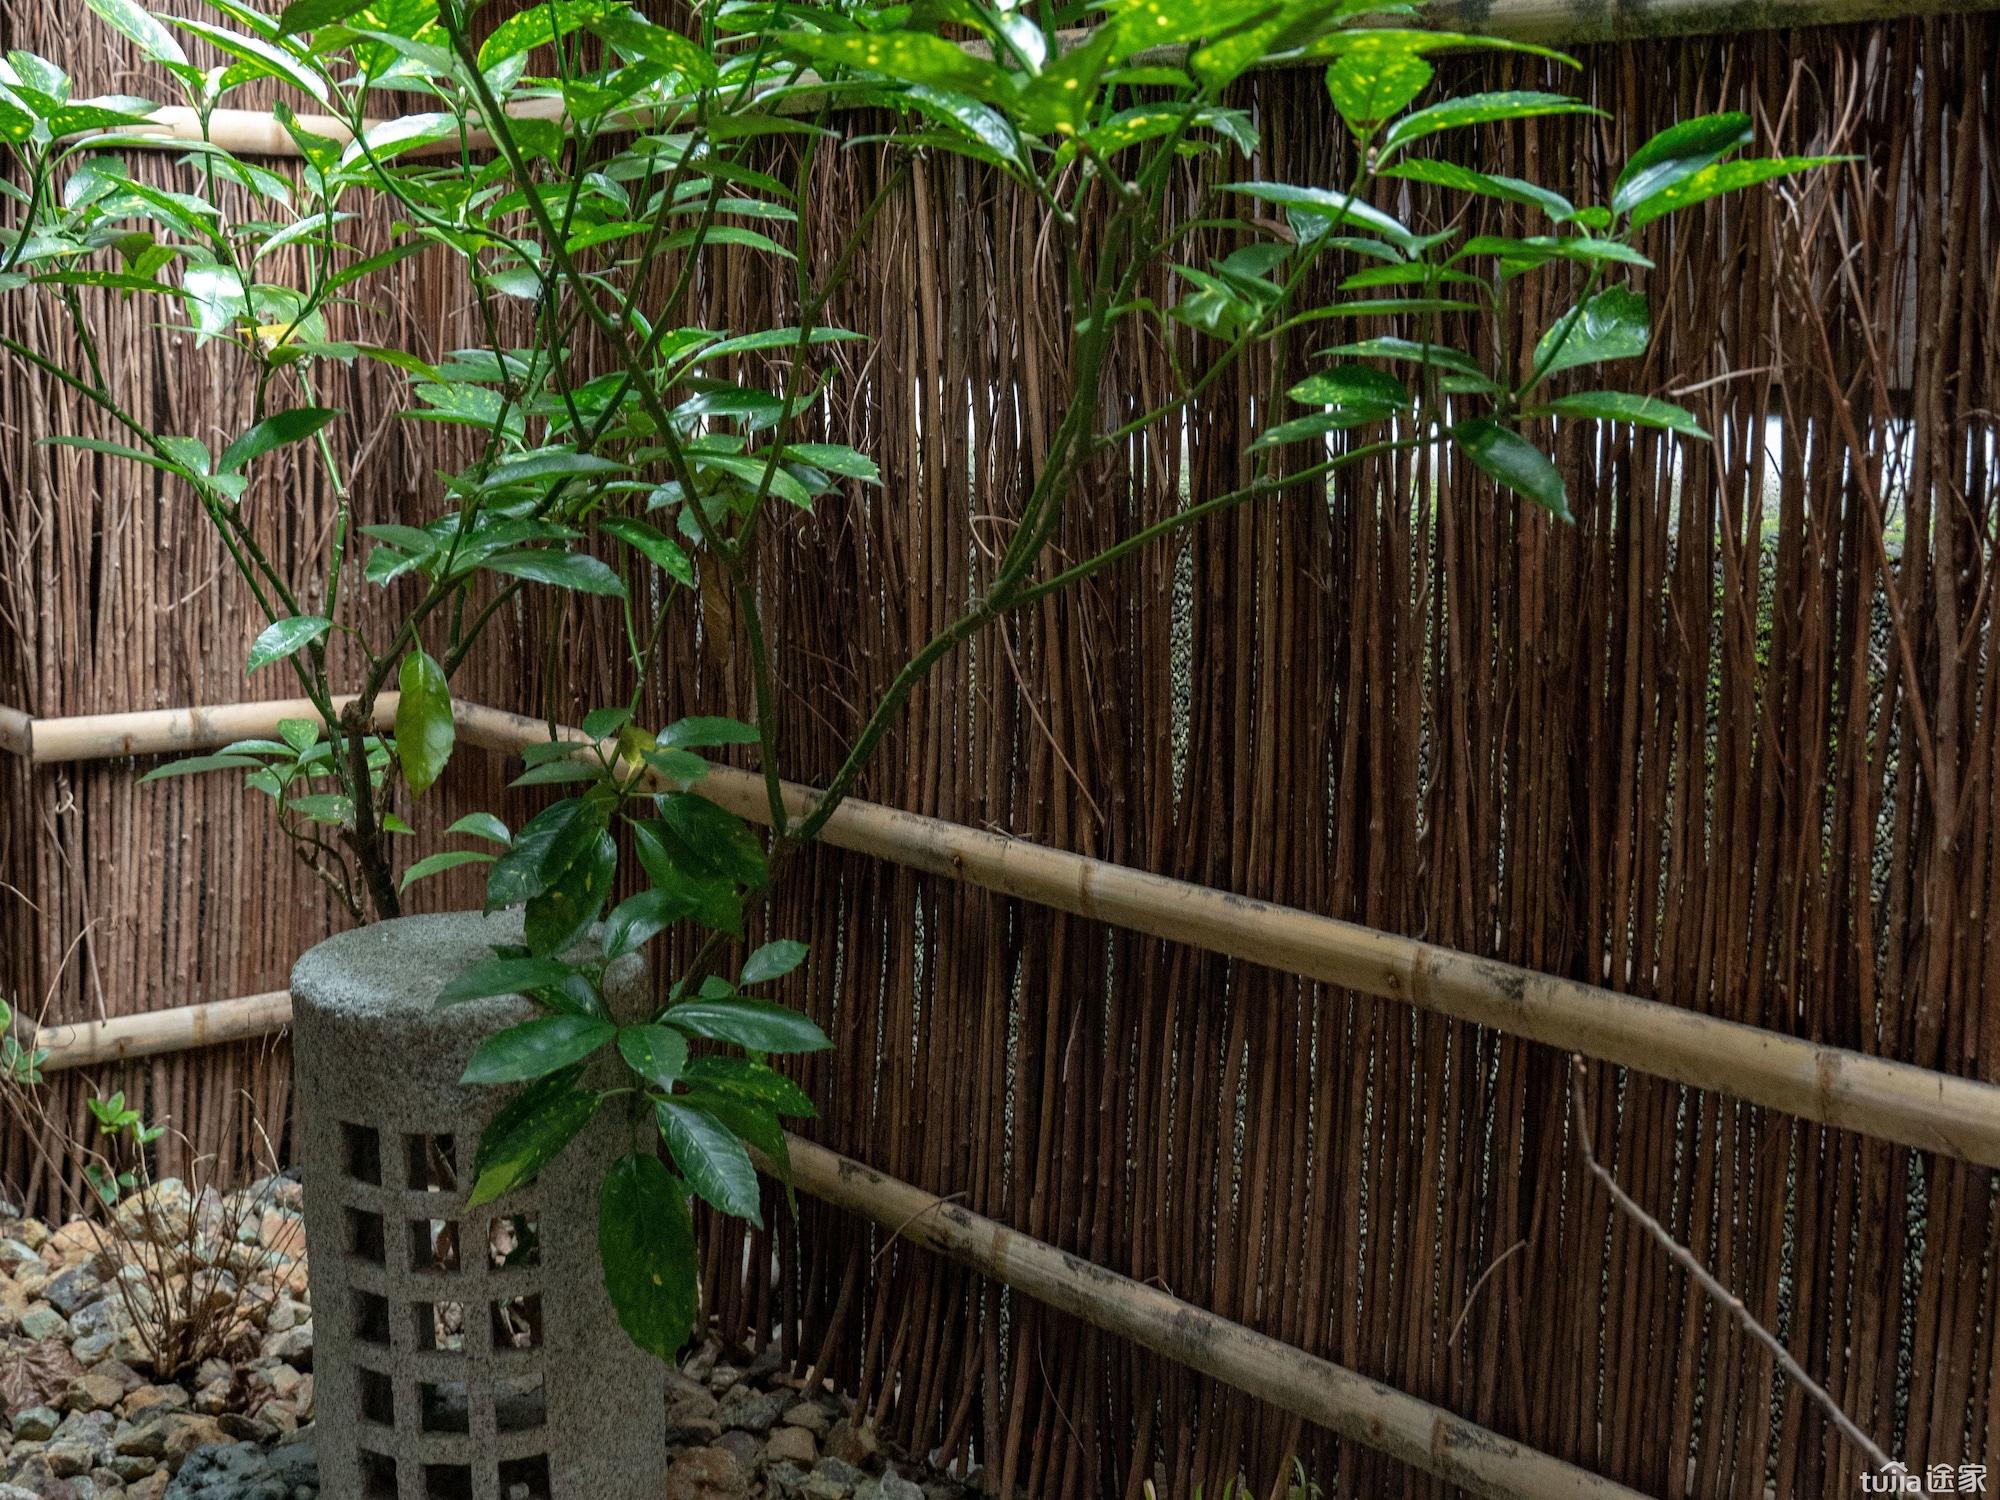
171, 731
178, 1030
249, 132
1873, 1096
1423, 1436
16, 731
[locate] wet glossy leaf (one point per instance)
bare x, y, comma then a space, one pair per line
751, 1080
504, 976
194, 765
1724, 177
437, 864
756, 1024
905, 57
1447, 174
700, 733
138, 26
638, 919
711, 1158
1678, 152
560, 915
656, 1053
281, 638
528, 1133
424, 728
1514, 461
564, 570
1480, 109
536, 1048
1331, 207
772, 961
720, 842
1369, 84
1612, 325
1624, 406
645, 1238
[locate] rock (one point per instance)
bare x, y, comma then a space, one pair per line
187, 1433
784, 1480
832, 1479
15, 1254
43, 1322
706, 1474
752, 1411
106, 1315
891, 1486
72, 1245
74, 1288
745, 1449
852, 1443
722, 1377
154, 1398
95, 1392
692, 1419
294, 1346
793, 1445
160, 1215
37, 1424
809, 1415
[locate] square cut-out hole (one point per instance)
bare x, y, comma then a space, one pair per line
433, 1168
378, 1476
433, 1245
366, 1237
525, 1478
442, 1407
517, 1323
361, 1153
447, 1482
520, 1405
378, 1397
515, 1241
371, 1318
440, 1325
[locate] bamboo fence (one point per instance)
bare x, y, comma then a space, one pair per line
1729, 743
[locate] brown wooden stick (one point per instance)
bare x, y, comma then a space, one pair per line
1719, 1293
1875, 1096
1424, 1436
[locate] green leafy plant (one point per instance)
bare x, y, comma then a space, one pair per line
574, 164
124, 1131
20, 1065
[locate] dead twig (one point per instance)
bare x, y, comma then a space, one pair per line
1721, 1294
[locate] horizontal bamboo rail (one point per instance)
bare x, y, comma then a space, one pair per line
1423, 1436
182, 1029
250, 132
1873, 1096
168, 731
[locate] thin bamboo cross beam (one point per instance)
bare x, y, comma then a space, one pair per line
250, 132
154, 1033
1341, 1400
1873, 1096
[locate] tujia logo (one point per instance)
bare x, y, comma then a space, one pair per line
1938, 1479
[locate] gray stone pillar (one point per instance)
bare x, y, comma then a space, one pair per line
458, 1356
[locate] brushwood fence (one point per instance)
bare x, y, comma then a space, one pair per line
1729, 742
